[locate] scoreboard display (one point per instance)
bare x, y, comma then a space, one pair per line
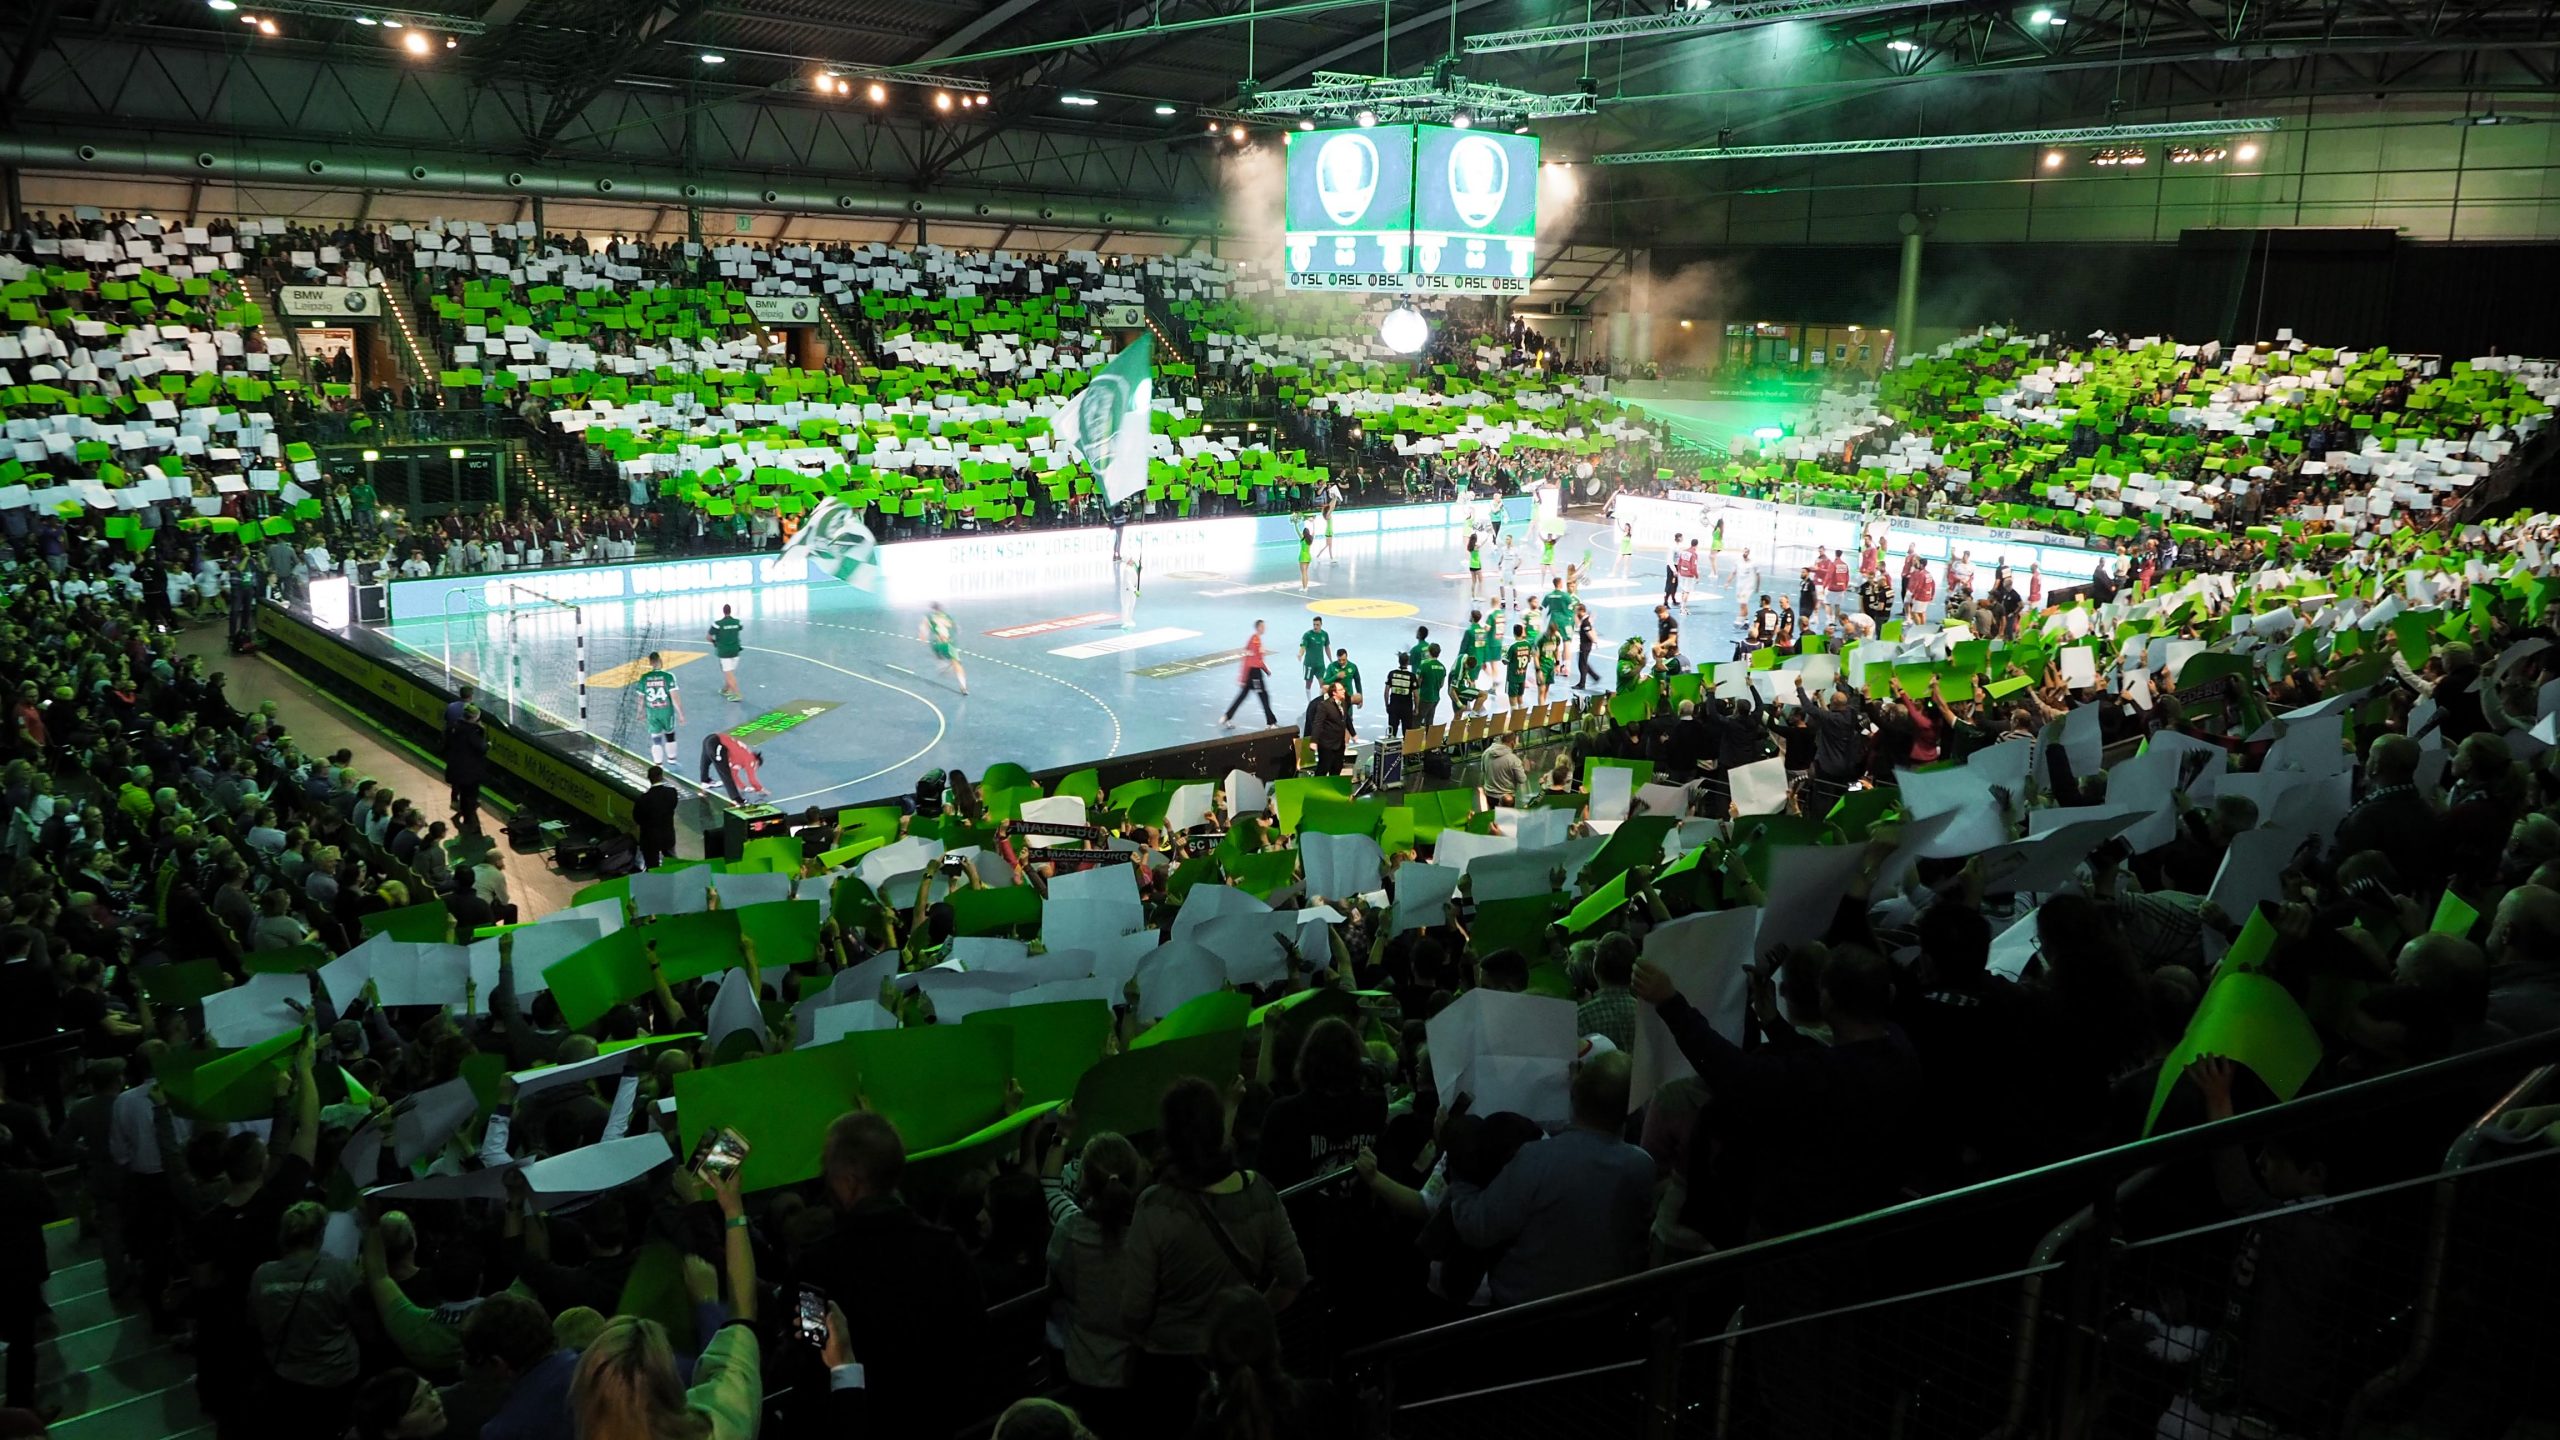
1349, 219
1475, 209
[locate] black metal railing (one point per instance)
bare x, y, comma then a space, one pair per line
1974, 1313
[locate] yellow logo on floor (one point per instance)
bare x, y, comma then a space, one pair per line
1362, 609
629, 673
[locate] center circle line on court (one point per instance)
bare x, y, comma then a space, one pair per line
941, 726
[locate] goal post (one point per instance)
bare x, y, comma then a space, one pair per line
523, 651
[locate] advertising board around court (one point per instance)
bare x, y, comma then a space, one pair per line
957, 564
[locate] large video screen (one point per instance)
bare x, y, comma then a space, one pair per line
1349, 220
1475, 209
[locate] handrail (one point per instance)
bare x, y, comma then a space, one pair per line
2307, 1110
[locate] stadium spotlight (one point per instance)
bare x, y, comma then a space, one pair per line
2041, 17
222, 5
455, 453
1086, 102
2248, 150
415, 42
2053, 159
266, 27
1366, 118
1404, 330
1520, 129
1306, 124
941, 99
390, 24
1236, 133
1460, 120
367, 20
450, 42
1164, 109
1900, 46
879, 92
710, 59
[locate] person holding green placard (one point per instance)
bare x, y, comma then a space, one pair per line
1313, 649
727, 644
661, 710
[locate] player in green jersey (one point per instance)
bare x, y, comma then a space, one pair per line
1517, 657
1558, 603
726, 642
1550, 656
1429, 676
1314, 649
661, 710
939, 631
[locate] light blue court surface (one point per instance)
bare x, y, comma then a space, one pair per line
847, 701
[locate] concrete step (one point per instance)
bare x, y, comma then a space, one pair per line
112, 1377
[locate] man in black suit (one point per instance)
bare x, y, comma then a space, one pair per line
915, 1313
1328, 723
653, 815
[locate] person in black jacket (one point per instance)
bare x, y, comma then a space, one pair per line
915, 1314
1328, 723
653, 817
466, 765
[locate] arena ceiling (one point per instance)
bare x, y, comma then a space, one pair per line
1111, 97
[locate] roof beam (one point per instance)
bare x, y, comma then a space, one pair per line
967, 35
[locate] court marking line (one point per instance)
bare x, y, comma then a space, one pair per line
941, 726
1098, 701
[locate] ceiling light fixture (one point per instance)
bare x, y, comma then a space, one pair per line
1236, 133
1900, 47
367, 20
879, 92
415, 42
1164, 109
223, 5
941, 99
1083, 101
266, 27
710, 59
2248, 150
1460, 120
1367, 118
2053, 159
1306, 124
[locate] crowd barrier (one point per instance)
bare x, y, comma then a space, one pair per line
941, 567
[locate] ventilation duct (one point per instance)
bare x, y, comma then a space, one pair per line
379, 171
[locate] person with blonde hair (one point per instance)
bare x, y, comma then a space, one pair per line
1033, 1418
626, 1387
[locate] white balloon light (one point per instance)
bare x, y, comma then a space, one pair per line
1404, 331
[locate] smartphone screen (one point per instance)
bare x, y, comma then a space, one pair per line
809, 1315
719, 1153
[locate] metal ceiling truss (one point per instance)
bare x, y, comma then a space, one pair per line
389, 16
1437, 98
2124, 135
1705, 20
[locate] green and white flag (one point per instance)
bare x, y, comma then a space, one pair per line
1106, 424
835, 540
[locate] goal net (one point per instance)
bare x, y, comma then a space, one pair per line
521, 650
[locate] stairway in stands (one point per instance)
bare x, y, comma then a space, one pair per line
531, 479
840, 335
113, 1378
418, 368
1166, 327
